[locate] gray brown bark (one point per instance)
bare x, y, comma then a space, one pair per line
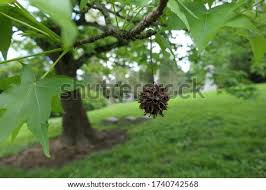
77, 129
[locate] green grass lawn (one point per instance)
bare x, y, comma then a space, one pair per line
219, 136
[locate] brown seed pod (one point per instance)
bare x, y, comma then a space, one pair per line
153, 100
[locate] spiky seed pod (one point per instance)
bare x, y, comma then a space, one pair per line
154, 100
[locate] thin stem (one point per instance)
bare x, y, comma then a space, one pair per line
127, 16
34, 55
55, 63
52, 34
151, 60
253, 5
25, 24
151, 48
135, 16
116, 20
257, 3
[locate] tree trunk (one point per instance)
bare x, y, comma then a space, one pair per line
77, 129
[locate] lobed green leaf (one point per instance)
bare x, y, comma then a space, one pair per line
5, 35
33, 107
61, 12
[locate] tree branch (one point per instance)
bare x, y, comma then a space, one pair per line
91, 24
82, 22
93, 39
106, 15
133, 33
149, 19
98, 50
116, 14
124, 37
108, 47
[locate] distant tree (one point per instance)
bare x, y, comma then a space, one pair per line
232, 62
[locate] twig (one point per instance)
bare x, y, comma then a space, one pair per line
131, 34
33, 55
54, 64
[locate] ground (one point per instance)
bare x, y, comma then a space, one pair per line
219, 136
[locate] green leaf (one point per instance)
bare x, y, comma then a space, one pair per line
7, 1
83, 4
15, 133
173, 22
56, 105
32, 107
164, 44
243, 22
21, 17
258, 44
204, 29
61, 12
1, 112
140, 3
7, 82
187, 9
5, 35
174, 7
